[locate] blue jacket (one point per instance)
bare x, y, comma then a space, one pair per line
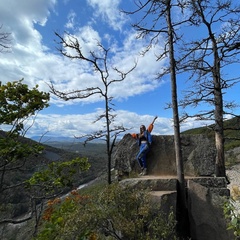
147, 137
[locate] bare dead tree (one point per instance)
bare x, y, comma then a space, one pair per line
5, 41
156, 21
206, 58
71, 48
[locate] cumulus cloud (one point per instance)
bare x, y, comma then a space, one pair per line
25, 39
32, 60
122, 56
19, 18
75, 125
108, 10
71, 20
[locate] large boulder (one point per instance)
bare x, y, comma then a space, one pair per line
206, 216
205, 193
198, 156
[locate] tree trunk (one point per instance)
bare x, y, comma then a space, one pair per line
218, 100
219, 134
177, 137
220, 163
108, 139
182, 212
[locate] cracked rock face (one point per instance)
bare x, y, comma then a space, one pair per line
198, 155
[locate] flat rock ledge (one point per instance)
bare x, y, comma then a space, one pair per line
205, 196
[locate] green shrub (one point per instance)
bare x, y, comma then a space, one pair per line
113, 212
233, 217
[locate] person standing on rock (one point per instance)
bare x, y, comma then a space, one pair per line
144, 139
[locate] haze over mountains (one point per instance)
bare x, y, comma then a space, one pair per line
50, 139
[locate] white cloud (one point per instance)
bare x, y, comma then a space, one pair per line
30, 60
141, 80
109, 11
143, 77
88, 39
25, 39
77, 124
37, 64
56, 125
71, 20
14, 12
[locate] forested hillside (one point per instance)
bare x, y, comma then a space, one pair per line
231, 132
16, 200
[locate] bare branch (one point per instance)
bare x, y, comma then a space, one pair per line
5, 41
75, 94
70, 47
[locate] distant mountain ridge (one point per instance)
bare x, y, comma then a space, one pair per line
232, 133
46, 139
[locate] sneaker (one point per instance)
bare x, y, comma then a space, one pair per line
140, 174
144, 172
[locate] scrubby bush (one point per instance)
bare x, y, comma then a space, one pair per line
112, 213
232, 215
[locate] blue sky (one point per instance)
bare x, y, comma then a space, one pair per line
34, 57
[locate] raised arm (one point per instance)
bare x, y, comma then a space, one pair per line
151, 125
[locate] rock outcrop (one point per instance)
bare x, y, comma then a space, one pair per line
198, 156
205, 193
